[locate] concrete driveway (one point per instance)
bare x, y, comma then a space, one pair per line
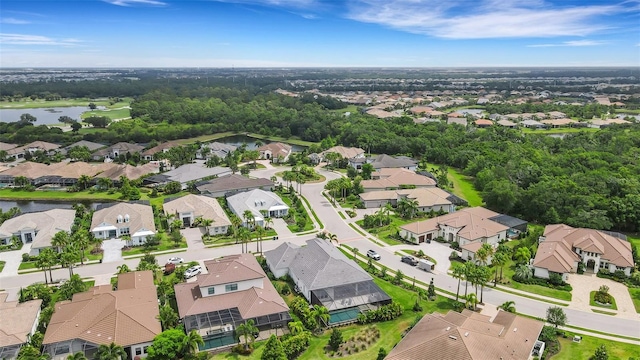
584, 284
194, 237
112, 250
13, 259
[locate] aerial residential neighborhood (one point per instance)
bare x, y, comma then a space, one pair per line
384, 214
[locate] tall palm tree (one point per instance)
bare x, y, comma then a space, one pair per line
484, 253
458, 273
236, 222
499, 260
508, 306
60, 240
191, 342
68, 258
206, 223
296, 327
249, 219
469, 270
246, 330
268, 222
110, 352
260, 232
46, 260
77, 356
245, 236
81, 239
321, 315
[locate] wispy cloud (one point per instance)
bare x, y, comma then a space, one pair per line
278, 3
136, 2
14, 21
25, 39
572, 43
460, 19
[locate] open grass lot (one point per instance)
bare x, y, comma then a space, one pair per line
205, 138
350, 108
292, 140
8, 194
39, 103
635, 296
121, 113
593, 302
583, 350
463, 187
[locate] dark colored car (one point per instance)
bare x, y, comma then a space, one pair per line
410, 260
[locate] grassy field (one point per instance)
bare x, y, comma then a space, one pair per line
463, 187
291, 140
566, 130
205, 138
635, 296
31, 104
350, 108
8, 194
119, 113
570, 350
593, 302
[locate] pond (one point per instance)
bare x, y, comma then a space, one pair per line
238, 140
29, 206
45, 116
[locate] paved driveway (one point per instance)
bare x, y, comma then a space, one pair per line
112, 250
194, 237
584, 284
280, 226
13, 259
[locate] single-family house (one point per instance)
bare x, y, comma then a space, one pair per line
561, 248
344, 152
556, 123
326, 277
191, 207
231, 184
233, 289
124, 219
470, 336
507, 123
114, 172
218, 149
468, 227
390, 162
37, 228
7, 146
150, 154
115, 150
18, 321
276, 152
188, 173
91, 146
457, 120
483, 123
262, 204
127, 317
427, 199
533, 124
390, 179
31, 148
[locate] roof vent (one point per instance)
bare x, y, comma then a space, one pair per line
453, 337
515, 329
76, 325
448, 328
466, 334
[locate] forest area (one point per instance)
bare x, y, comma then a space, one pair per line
586, 179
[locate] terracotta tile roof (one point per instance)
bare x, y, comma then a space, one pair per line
425, 196
345, 152
277, 149
7, 146
17, 320
40, 145
555, 256
201, 206
474, 223
484, 122
160, 148
31, 170
251, 303
468, 336
114, 171
126, 316
389, 178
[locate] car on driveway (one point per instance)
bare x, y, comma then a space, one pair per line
192, 271
410, 260
374, 255
175, 260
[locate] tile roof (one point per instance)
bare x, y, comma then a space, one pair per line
140, 217
425, 196
126, 316
253, 302
254, 201
16, 320
474, 223
201, 206
192, 172
394, 178
40, 145
388, 161
469, 336
277, 149
46, 223
92, 146
160, 148
233, 182
345, 152
7, 146
115, 171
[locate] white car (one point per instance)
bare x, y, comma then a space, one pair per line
193, 271
175, 260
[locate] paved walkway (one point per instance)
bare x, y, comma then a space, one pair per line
584, 284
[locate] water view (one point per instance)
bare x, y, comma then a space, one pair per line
34, 206
238, 140
45, 116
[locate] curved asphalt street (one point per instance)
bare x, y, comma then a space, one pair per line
336, 225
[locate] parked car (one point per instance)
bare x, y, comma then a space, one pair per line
175, 260
410, 260
193, 271
374, 255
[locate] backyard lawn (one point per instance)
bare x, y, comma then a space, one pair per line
462, 185
570, 350
387, 233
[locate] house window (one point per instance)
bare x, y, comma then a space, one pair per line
138, 351
124, 231
61, 349
144, 349
231, 287
211, 290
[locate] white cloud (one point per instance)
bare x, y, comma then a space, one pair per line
24, 39
572, 43
135, 2
279, 3
14, 21
459, 19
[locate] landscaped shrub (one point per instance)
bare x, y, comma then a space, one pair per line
383, 313
296, 344
602, 295
336, 339
543, 282
455, 245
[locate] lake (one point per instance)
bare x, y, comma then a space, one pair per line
34, 206
238, 140
45, 116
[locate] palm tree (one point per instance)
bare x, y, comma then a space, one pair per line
81, 239
355, 253
77, 356
333, 238
469, 269
484, 253
46, 260
246, 330
296, 327
83, 182
522, 272
165, 289
508, 306
68, 258
206, 223
472, 300
191, 341
245, 236
60, 240
123, 269
105, 183
249, 219
268, 222
458, 273
110, 352
260, 232
499, 260
321, 315
235, 224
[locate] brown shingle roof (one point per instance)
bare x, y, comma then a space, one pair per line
468, 336
126, 316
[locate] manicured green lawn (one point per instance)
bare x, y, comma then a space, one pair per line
39, 103
386, 233
593, 302
2, 265
121, 113
350, 108
8, 194
463, 187
294, 227
291, 140
570, 350
27, 265
635, 296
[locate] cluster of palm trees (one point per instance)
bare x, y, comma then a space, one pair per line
67, 250
407, 208
244, 234
341, 187
478, 273
379, 218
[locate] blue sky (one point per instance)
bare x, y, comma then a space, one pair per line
302, 33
